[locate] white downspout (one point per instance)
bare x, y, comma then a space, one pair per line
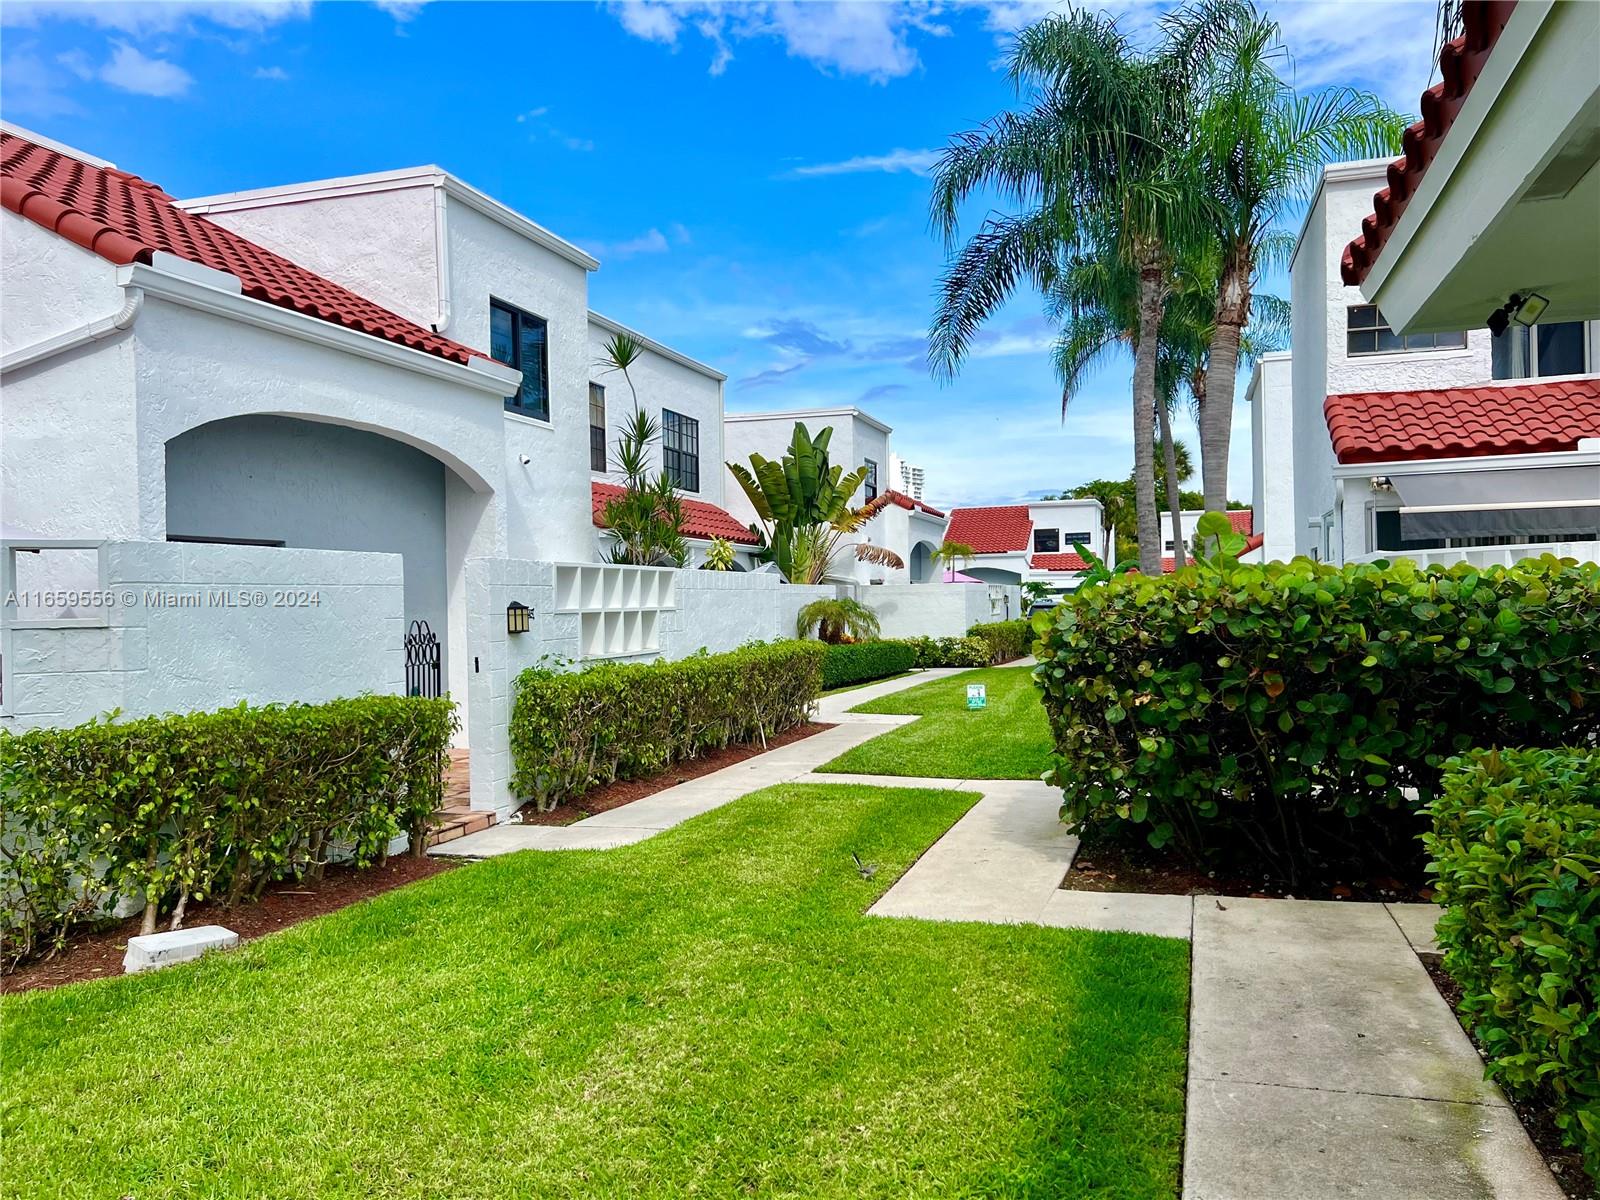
441, 259
60, 343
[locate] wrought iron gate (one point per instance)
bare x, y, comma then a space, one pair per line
422, 660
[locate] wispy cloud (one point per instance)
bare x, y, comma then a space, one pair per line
797, 337
843, 37
651, 241
145, 18
895, 162
277, 74
541, 128
131, 70
771, 375
882, 392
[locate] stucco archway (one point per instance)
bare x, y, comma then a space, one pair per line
922, 569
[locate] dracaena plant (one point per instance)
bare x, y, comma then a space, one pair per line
646, 521
803, 501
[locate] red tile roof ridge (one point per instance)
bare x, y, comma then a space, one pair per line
125, 219
1460, 63
702, 519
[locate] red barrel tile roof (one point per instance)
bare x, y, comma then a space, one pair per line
1057, 562
126, 219
1242, 520
701, 520
1460, 63
1464, 422
884, 499
1000, 529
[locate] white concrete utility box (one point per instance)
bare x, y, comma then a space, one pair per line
156, 950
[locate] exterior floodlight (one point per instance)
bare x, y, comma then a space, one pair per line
1529, 309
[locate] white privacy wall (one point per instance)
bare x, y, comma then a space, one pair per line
948, 610
199, 627
1272, 434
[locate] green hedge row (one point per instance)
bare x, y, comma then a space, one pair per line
576, 730
1272, 716
854, 662
205, 806
948, 651
1516, 849
1006, 639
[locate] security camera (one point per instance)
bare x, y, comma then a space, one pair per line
525, 460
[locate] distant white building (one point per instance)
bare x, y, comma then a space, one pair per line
899, 521
1030, 543
906, 477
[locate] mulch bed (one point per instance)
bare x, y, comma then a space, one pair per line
97, 953
1103, 865
626, 791
1536, 1115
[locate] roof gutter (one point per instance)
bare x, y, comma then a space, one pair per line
200, 288
83, 335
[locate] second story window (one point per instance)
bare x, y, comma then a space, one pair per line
597, 427
871, 486
1046, 541
680, 450
521, 340
1366, 332
1556, 349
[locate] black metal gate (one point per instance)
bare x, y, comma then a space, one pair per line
422, 661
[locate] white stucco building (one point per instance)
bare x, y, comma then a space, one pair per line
1030, 543
899, 521
265, 446
1371, 441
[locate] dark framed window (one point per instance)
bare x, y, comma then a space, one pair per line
1046, 541
680, 450
597, 427
1366, 332
522, 340
1074, 537
1555, 349
870, 488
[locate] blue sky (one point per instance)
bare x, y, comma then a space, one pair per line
752, 177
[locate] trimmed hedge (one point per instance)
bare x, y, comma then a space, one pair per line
1006, 639
182, 808
949, 651
853, 662
571, 731
1270, 716
1516, 849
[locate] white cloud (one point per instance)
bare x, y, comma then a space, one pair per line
132, 71
652, 241
401, 10
141, 18
34, 87
851, 38
77, 62
533, 114
276, 74
914, 162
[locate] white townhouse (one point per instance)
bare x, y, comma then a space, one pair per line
899, 522
1426, 435
311, 441
1030, 543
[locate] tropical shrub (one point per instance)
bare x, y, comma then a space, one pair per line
1006, 639
949, 651
1516, 849
1273, 716
837, 620
577, 730
854, 662
205, 806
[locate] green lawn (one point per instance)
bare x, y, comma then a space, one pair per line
707, 1013
1010, 739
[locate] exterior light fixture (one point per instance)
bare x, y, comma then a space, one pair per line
1381, 483
517, 615
1530, 309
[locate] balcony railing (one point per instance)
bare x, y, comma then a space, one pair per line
1491, 556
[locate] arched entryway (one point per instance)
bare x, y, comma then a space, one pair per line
922, 563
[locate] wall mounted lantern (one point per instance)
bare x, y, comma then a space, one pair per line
517, 615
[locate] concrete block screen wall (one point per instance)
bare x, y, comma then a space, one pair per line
187, 627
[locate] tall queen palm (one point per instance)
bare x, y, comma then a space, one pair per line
1097, 159
1263, 148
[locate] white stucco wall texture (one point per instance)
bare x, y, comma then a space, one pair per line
197, 627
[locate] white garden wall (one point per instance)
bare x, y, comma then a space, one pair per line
190, 627
939, 610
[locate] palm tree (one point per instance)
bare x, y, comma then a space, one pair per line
952, 556
1263, 148
1098, 158
835, 621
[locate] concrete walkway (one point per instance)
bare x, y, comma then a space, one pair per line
647, 817
1323, 1063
